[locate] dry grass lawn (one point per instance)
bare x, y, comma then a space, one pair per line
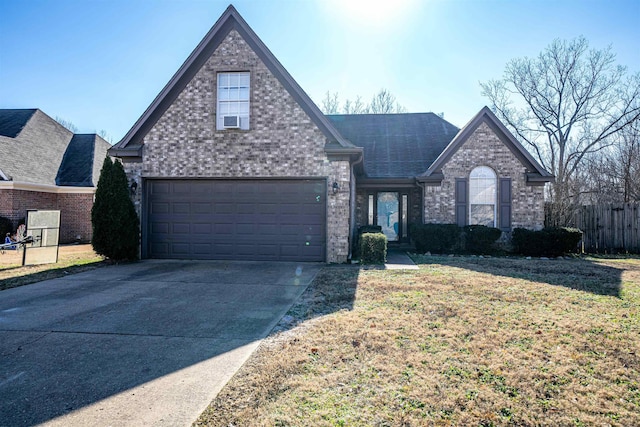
462, 341
71, 259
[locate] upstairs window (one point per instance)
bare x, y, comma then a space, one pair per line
482, 196
233, 101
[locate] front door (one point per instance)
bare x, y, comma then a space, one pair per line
388, 214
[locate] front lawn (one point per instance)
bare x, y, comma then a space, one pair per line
462, 341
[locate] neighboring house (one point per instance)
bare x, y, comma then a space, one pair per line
235, 161
45, 166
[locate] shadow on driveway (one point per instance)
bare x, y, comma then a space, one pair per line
70, 343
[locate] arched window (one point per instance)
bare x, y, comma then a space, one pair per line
482, 196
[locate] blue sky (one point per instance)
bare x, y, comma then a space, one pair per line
100, 63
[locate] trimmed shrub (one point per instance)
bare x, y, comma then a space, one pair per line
480, 239
373, 248
549, 242
116, 227
436, 238
361, 230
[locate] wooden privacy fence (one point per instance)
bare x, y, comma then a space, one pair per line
610, 227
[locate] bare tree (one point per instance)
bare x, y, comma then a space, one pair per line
385, 103
566, 104
613, 176
67, 124
355, 107
330, 103
382, 103
105, 135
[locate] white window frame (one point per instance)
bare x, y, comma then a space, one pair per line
233, 98
481, 179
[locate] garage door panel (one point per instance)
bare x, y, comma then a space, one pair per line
224, 208
201, 208
224, 228
202, 228
244, 219
160, 227
181, 228
160, 207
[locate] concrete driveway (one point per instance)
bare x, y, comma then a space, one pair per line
149, 343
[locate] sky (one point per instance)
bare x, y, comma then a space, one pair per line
100, 63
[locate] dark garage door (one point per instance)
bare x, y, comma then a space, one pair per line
245, 219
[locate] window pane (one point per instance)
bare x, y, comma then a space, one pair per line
233, 97
405, 209
482, 215
223, 80
482, 196
233, 79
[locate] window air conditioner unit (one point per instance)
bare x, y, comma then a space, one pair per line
231, 122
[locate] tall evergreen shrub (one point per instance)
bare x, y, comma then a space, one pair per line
116, 227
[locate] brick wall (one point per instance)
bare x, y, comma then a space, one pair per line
75, 210
282, 140
75, 217
484, 148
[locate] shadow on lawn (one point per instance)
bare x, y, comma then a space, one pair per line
332, 290
39, 276
580, 274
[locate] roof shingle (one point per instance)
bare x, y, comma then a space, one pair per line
13, 121
396, 145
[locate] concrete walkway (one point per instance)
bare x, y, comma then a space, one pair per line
399, 260
149, 343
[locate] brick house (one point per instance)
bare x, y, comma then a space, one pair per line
45, 166
235, 161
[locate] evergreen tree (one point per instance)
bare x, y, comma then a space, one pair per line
115, 223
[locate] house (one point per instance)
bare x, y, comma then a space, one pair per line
234, 161
45, 166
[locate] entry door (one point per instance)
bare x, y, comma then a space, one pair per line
388, 214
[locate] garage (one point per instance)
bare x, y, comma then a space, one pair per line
277, 220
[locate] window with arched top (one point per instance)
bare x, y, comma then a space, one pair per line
482, 196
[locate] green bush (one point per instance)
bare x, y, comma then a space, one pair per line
361, 230
436, 238
373, 248
116, 227
6, 226
480, 239
549, 242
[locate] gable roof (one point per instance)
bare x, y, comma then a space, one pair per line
396, 145
535, 172
13, 121
130, 145
77, 167
42, 151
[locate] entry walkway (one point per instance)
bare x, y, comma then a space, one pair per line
399, 260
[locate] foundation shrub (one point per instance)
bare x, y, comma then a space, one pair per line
549, 242
435, 238
480, 239
373, 248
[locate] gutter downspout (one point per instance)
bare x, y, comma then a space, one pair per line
352, 206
